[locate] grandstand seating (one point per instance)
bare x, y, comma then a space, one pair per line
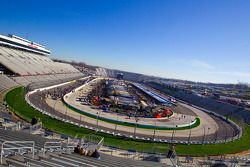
113, 73
6, 83
72, 159
26, 63
57, 157
35, 68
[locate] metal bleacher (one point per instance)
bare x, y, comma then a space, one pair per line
35, 68
21, 155
6, 82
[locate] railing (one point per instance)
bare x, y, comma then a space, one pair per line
52, 145
71, 143
32, 148
12, 125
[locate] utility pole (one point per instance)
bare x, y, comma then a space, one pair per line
226, 136
216, 133
208, 130
97, 118
66, 111
116, 122
203, 140
135, 126
172, 138
189, 133
154, 132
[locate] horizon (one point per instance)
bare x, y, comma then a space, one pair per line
206, 41
69, 61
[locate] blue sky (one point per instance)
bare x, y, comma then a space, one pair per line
202, 40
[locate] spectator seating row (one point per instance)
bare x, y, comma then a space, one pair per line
34, 68
57, 157
6, 83
26, 63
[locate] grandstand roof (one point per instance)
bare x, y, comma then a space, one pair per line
18, 42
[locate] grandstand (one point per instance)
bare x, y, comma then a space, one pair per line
6, 83
52, 152
26, 64
112, 73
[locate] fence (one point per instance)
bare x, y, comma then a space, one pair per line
14, 145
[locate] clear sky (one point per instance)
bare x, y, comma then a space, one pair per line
202, 40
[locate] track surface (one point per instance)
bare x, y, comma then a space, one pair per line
57, 108
210, 129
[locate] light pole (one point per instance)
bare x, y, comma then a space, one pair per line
226, 136
66, 111
203, 140
189, 133
216, 133
55, 105
97, 118
154, 132
135, 126
172, 138
208, 131
41, 100
116, 122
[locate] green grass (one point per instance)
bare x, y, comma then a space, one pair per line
15, 99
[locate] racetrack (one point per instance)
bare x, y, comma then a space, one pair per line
211, 128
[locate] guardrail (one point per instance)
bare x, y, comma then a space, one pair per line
12, 147
237, 136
